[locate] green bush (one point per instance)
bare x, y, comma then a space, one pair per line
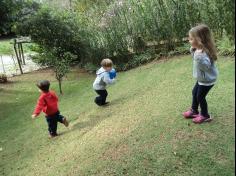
180, 50
3, 78
14, 11
225, 46
118, 29
121, 30
137, 60
52, 30
91, 68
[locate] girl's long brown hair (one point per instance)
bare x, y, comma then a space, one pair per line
205, 40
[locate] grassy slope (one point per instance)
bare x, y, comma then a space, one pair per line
140, 133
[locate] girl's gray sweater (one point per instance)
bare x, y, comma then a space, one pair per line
204, 70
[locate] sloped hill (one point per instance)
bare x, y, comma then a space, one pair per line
142, 132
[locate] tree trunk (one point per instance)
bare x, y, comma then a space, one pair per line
60, 86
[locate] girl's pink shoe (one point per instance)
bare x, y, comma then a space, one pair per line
201, 119
189, 114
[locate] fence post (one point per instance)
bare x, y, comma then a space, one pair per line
4, 71
19, 51
18, 60
22, 53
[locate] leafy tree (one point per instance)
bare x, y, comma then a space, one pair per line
12, 11
61, 66
56, 36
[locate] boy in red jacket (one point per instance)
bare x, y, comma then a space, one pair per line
48, 103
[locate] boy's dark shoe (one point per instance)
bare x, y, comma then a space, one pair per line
65, 122
52, 135
106, 104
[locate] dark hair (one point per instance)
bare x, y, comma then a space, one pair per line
43, 85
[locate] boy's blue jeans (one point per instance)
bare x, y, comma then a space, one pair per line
52, 122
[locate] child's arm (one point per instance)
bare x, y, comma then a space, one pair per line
192, 50
38, 108
55, 95
203, 62
108, 80
34, 116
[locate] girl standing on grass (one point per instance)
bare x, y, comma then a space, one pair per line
205, 72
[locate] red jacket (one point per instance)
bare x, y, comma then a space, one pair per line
48, 103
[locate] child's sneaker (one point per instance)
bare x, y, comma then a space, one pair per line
200, 119
52, 135
107, 103
65, 122
190, 114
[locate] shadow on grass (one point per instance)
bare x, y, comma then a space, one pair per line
93, 121
124, 98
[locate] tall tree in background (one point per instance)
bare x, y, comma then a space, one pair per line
13, 11
8, 10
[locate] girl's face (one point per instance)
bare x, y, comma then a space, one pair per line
193, 42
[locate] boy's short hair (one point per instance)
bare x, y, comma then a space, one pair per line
106, 63
43, 85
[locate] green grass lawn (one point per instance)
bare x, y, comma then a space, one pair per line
141, 133
6, 47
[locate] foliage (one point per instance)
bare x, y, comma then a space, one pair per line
117, 29
91, 68
138, 59
226, 47
56, 39
52, 30
121, 29
83, 6
13, 11
3, 78
60, 65
180, 50
6, 47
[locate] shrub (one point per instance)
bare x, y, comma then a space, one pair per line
121, 29
225, 46
52, 30
3, 78
13, 11
91, 68
137, 60
60, 66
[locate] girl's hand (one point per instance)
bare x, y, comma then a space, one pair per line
192, 49
34, 116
